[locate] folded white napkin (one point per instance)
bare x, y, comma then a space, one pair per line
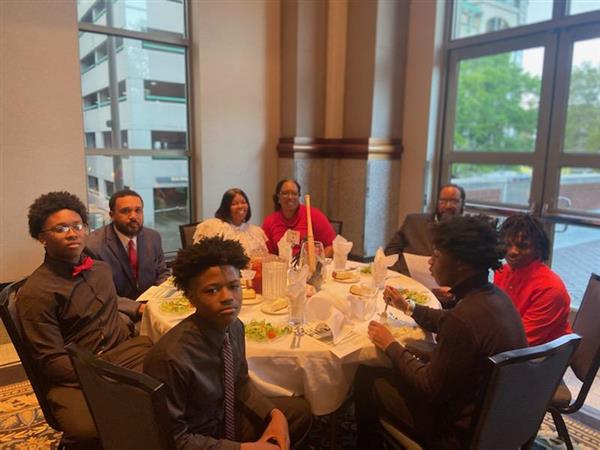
363, 306
380, 265
284, 247
341, 245
331, 309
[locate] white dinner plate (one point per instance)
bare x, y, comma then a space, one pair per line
253, 301
267, 309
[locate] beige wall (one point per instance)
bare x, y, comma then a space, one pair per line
236, 93
236, 88
41, 128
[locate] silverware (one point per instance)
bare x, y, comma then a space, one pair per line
384, 314
298, 333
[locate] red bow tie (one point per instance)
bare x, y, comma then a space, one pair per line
85, 265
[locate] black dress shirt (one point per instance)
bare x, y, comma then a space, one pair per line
188, 360
56, 308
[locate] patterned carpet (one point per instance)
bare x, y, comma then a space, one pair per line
22, 426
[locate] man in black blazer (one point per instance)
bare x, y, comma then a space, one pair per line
414, 236
133, 251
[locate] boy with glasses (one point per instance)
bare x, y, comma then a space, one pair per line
71, 298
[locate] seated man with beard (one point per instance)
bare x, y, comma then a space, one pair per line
414, 236
434, 401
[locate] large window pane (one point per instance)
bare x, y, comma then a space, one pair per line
490, 183
582, 133
575, 256
151, 90
472, 17
498, 101
162, 183
136, 15
580, 6
579, 189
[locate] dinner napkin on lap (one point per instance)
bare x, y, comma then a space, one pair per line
380, 265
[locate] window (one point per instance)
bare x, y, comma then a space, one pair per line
135, 125
93, 183
521, 132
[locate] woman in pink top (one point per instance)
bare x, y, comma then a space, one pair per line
291, 215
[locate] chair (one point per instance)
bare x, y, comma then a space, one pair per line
13, 327
337, 226
186, 232
129, 408
520, 386
585, 361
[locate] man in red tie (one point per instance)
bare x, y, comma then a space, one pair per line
71, 298
133, 252
202, 361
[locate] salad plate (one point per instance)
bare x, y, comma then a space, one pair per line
263, 331
178, 306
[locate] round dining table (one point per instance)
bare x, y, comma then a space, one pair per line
304, 366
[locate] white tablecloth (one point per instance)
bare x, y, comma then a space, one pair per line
311, 370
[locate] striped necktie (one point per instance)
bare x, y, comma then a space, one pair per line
228, 389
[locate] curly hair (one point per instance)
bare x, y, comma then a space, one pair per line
278, 188
530, 227
208, 252
472, 240
47, 204
224, 211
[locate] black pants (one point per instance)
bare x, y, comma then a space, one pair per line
68, 403
379, 393
296, 411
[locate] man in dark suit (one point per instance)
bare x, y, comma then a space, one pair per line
414, 236
133, 252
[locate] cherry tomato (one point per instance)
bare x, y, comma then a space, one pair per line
271, 334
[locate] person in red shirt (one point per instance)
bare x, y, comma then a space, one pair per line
290, 214
537, 292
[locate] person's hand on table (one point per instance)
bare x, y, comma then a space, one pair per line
393, 296
380, 335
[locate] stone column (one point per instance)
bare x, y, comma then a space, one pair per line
342, 118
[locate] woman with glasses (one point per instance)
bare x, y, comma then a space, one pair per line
291, 215
232, 222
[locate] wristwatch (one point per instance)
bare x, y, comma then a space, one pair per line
411, 307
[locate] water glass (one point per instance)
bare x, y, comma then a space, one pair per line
296, 307
274, 279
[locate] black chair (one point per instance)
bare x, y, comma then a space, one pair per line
519, 388
13, 327
129, 408
186, 232
585, 361
337, 225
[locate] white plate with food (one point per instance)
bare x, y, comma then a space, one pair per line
178, 306
250, 297
278, 307
348, 276
263, 331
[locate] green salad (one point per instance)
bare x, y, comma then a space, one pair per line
366, 270
420, 298
262, 331
179, 305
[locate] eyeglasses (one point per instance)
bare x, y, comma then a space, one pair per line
449, 201
289, 194
62, 229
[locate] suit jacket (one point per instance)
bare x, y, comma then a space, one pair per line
414, 236
152, 268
